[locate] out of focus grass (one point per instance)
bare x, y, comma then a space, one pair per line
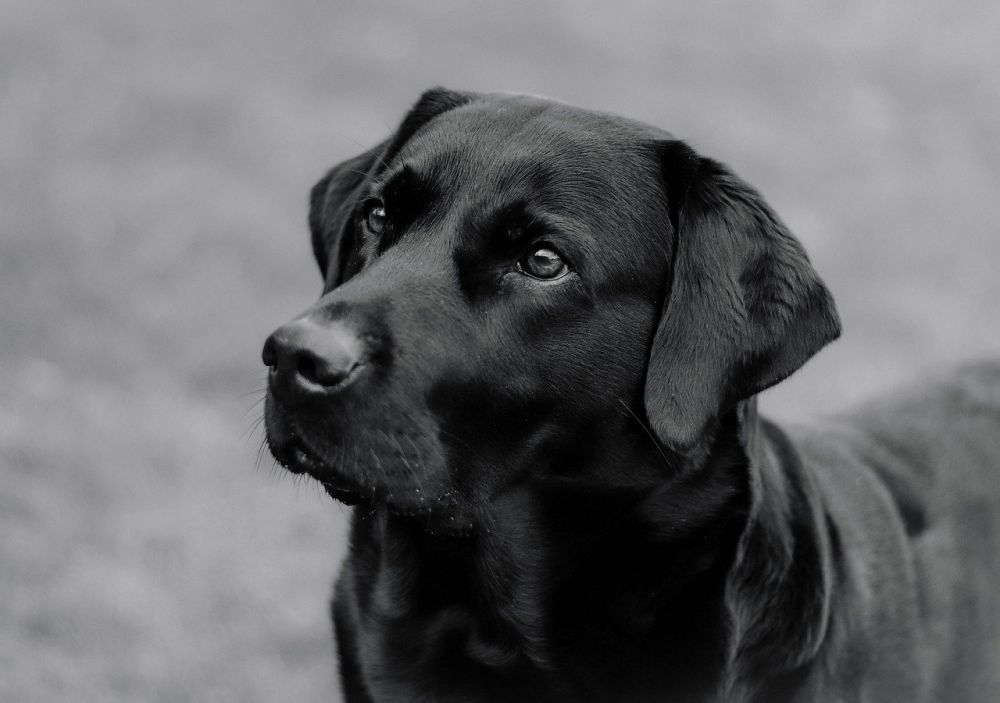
154, 161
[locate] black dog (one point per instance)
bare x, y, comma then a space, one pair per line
534, 365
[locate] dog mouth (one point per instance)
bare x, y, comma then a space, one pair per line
440, 516
399, 482
295, 456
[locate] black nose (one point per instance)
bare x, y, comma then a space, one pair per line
307, 358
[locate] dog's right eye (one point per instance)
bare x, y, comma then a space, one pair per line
374, 216
544, 263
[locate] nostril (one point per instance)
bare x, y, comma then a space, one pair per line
306, 367
269, 355
305, 358
325, 371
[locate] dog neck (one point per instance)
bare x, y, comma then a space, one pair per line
668, 581
783, 579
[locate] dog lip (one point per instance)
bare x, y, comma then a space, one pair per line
338, 485
293, 452
304, 459
345, 496
287, 454
296, 456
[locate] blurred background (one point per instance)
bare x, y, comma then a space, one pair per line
155, 160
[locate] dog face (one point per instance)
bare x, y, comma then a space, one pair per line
519, 293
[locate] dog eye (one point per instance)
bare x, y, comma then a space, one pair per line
543, 263
375, 216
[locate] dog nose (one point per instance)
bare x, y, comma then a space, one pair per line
307, 358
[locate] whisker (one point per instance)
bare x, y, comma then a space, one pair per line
456, 438
253, 428
254, 405
360, 173
260, 455
656, 443
378, 463
337, 458
362, 146
262, 452
418, 483
276, 469
449, 485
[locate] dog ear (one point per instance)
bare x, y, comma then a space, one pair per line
331, 205
744, 307
335, 198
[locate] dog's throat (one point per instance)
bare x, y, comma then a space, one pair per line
530, 600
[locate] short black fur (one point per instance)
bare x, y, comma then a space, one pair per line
564, 490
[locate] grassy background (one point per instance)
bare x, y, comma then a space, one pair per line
154, 165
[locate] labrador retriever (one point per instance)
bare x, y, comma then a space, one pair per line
533, 368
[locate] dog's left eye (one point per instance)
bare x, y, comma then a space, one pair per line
543, 263
375, 216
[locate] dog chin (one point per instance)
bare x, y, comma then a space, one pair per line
293, 454
291, 451
436, 511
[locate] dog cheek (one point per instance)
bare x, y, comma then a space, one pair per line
602, 356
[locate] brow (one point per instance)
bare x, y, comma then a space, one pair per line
408, 196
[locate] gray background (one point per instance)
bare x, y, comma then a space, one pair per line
154, 164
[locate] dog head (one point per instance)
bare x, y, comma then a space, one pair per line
517, 292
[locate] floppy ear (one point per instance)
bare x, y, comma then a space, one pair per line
334, 199
744, 308
331, 206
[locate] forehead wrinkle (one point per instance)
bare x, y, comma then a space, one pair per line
473, 144
599, 171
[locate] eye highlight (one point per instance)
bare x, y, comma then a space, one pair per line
544, 263
374, 216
